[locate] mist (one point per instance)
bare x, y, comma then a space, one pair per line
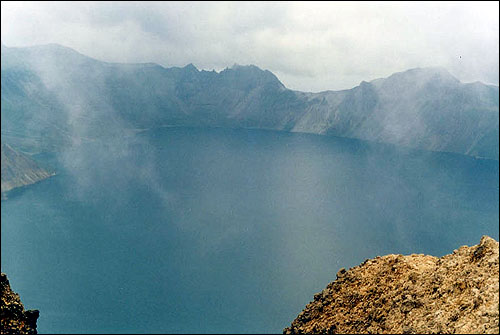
211, 225
187, 201
309, 46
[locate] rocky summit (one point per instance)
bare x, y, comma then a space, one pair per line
15, 320
457, 293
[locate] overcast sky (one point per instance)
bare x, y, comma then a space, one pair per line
309, 46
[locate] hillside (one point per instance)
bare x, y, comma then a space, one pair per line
417, 294
53, 96
19, 170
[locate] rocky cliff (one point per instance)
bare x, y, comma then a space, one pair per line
19, 170
457, 293
52, 96
15, 320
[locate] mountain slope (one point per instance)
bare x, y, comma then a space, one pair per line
53, 96
19, 170
419, 108
415, 294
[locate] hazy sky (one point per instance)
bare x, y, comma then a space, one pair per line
309, 46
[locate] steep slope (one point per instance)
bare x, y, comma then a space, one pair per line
14, 319
53, 96
419, 108
19, 170
395, 294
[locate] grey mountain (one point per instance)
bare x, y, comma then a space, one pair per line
53, 95
19, 170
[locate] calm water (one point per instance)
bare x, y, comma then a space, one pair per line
190, 230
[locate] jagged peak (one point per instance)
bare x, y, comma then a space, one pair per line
251, 72
250, 68
190, 67
364, 83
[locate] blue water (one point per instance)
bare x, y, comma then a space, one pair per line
215, 230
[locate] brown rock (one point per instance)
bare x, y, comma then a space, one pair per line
14, 319
415, 294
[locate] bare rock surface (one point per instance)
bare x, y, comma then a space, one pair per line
19, 170
14, 319
457, 293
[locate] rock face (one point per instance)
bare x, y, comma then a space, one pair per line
19, 170
52, 96
15, 320
457, 293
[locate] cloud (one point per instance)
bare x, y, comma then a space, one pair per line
311, 46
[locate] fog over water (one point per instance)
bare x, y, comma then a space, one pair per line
208, 230
214, 230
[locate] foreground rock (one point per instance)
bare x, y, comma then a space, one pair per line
457, 293
14, 319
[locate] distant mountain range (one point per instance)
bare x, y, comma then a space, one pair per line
52, 96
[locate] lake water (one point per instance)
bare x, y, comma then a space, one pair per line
216, 230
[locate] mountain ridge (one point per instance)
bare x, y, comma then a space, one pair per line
48, 46
423, 108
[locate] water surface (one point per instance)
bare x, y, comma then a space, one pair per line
217, 230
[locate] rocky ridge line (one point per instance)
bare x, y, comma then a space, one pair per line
457, 293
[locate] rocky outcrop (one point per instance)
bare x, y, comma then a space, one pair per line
19, 170
457, 293
15, 320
